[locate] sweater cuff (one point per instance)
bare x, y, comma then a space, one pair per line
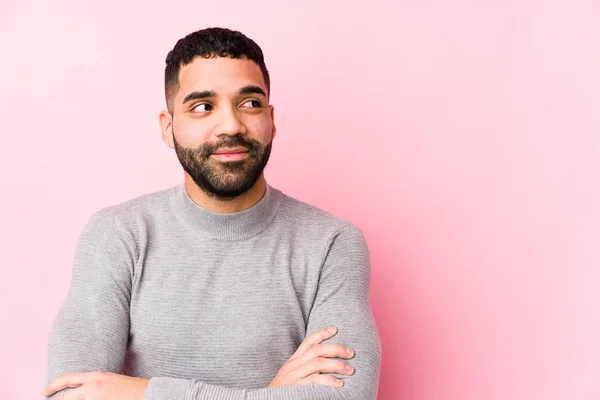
164, 388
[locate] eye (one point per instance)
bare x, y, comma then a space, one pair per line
254, 104
202, 107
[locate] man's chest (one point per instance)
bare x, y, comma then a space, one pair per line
217, 309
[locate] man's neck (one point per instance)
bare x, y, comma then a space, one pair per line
244, 202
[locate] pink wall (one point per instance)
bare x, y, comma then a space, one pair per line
461, 136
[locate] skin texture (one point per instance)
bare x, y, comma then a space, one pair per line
196, 129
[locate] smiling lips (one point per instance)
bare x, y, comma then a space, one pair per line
236, 153
235, 150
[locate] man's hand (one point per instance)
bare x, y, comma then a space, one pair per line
312, 358
98, 385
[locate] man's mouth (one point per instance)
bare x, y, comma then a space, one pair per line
231, 154
235, 150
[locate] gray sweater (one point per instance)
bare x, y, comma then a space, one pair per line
210, 306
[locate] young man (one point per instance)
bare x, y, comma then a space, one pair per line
221, 287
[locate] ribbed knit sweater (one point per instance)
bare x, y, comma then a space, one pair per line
210, 306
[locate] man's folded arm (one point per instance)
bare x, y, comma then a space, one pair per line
342, 300
91, 329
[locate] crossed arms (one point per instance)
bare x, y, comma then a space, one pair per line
91, 330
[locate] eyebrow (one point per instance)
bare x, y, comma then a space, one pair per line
203, 94
199, 95
252, 89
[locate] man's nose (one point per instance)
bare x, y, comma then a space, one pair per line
230, 123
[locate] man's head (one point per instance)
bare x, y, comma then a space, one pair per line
217, 91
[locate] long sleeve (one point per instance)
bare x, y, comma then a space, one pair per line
91, 329
342, 300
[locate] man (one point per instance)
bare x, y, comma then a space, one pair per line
221, 287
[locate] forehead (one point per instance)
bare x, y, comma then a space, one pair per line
223, 75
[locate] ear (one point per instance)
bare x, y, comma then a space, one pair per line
166, 126
273, 121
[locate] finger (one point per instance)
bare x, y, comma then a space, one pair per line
323, 380
79, 393
74, 379
329, 350
315, 338
322, 364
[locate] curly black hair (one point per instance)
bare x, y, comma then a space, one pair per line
210, 42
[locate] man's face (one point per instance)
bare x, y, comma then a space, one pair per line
222, 125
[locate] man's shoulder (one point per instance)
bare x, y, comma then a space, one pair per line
143, 206
309, 216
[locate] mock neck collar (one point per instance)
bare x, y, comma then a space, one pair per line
232, 226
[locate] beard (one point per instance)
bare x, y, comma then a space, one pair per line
224, 180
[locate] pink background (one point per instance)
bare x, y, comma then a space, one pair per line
461, 136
